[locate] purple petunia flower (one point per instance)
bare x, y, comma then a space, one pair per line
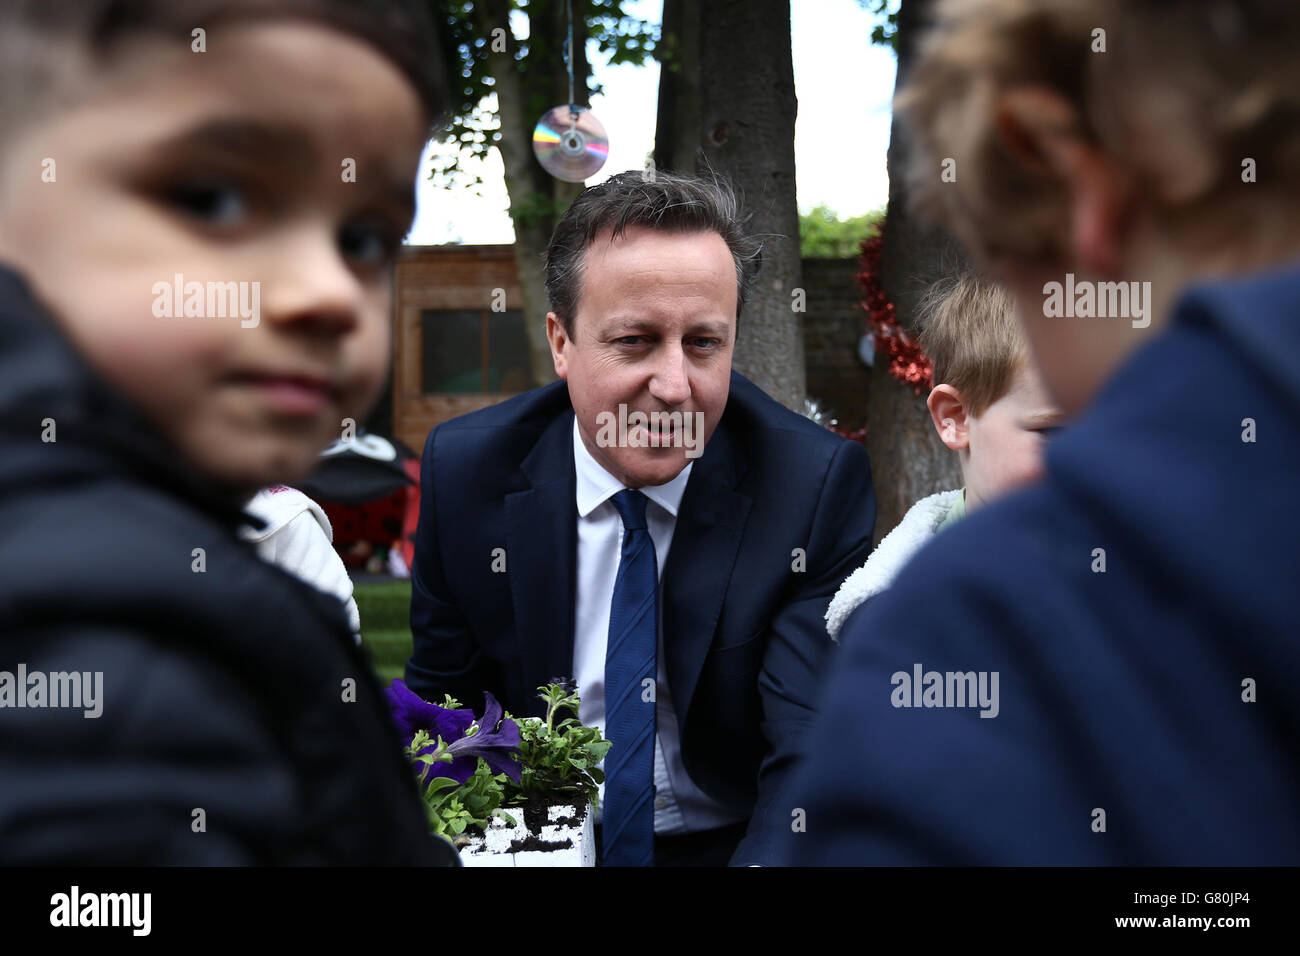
499, 746
411, 712
497, 740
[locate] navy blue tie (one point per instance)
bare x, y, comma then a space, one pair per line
628, 827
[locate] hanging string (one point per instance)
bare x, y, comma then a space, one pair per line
568, 62
572, 154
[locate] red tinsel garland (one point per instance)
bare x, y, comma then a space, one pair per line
907, 362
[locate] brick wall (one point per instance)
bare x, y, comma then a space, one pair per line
832, 328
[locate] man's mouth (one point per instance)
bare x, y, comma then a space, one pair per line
657, 430
654, 435
660, 437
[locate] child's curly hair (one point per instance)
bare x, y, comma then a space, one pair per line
1184, 93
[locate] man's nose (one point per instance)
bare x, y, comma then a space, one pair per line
310, 283
671, 382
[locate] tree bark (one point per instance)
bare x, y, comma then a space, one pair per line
677, 125
515, 146
535, 196
908, 461
747, 105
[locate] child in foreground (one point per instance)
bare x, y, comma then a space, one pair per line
989, 406
1126, 169
192, 300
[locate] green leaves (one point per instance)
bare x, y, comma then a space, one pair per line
823, 235
885, 32
455, 807
561, 757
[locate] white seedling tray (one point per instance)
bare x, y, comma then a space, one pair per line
494, 848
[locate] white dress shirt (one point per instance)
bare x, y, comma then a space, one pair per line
680, 806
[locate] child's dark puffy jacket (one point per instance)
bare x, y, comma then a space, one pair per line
227, 734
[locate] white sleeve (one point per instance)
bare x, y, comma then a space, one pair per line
302, 548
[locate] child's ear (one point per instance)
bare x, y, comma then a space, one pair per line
1043, 131
948, 412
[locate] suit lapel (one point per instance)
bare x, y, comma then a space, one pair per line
541, 554
706, 540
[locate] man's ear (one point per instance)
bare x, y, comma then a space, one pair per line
1043, 132
558, 338
948, 412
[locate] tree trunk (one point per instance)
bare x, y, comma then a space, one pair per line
747, 104
515, 146
677, 126
535, 196
908, 461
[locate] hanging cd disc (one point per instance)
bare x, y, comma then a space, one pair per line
570, 147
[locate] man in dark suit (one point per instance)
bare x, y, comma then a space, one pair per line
654, 525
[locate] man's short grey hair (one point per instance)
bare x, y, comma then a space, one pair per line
668, 202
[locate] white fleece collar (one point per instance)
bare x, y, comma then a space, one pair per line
893, 552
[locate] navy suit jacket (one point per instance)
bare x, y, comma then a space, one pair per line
742, 611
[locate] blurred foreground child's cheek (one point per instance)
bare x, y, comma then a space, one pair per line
197, 243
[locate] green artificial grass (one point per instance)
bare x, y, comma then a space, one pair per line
385, 609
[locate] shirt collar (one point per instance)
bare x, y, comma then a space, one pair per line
595, 485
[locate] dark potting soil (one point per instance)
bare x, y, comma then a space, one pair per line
535, 818
534, 842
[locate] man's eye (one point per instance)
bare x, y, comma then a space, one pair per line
369, 245
213, 205
1048, 431
706, 343
630, 339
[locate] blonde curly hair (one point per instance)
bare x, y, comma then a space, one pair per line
1180, 94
